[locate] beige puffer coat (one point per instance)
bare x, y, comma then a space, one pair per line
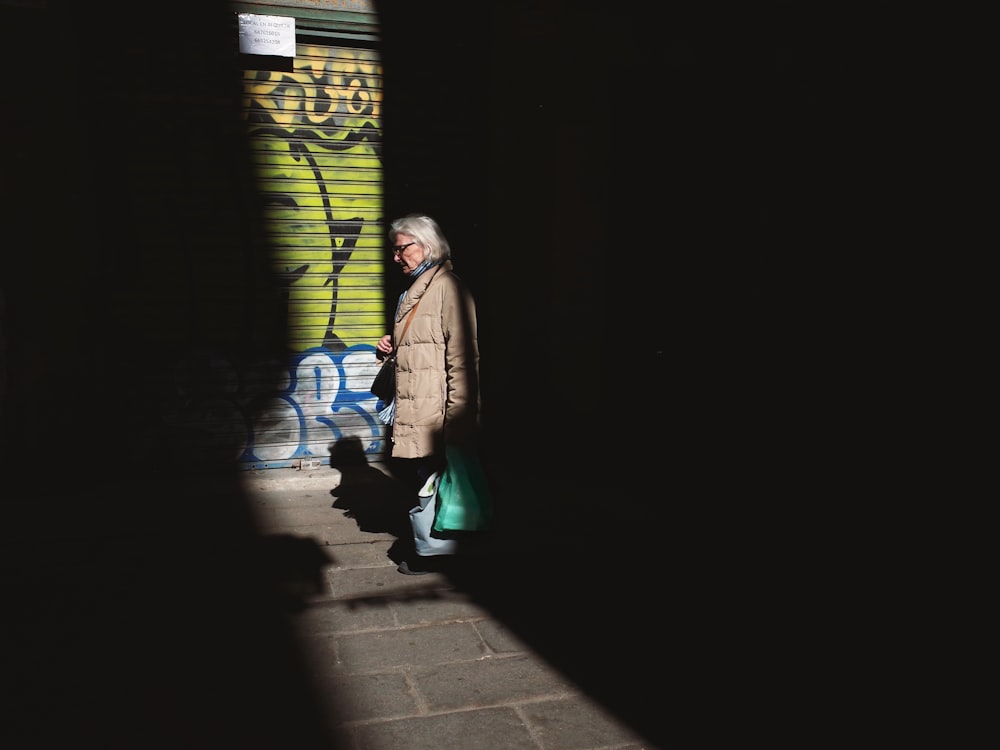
437, 366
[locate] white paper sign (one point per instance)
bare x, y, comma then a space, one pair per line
267, 35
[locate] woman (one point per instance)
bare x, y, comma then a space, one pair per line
437, 398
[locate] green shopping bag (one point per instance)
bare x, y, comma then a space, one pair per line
463, 495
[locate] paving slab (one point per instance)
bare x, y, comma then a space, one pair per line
366, 697
486, 729
333, 617
577, 722
489, 681
443, 643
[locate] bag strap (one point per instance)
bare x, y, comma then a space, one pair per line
409, 317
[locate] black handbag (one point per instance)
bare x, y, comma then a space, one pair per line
384, 384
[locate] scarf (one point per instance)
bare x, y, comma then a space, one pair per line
421, 268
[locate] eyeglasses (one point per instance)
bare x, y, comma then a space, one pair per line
398, 249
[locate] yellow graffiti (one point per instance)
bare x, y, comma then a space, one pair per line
316, 139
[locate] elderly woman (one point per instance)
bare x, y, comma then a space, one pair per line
437, 397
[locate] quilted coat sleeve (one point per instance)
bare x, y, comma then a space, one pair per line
461, 363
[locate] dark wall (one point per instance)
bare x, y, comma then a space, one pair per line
510, 124
635, 195
125, 187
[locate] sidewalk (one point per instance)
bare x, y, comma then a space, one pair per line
415, 661
265, 611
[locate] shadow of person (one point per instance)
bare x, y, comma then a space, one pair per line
377, 501
293, 568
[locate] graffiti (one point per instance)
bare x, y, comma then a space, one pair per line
315, 134
325, 401
317, 145
222, 413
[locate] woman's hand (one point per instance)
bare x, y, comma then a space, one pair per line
384, 344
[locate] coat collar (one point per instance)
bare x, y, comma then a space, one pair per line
420, 285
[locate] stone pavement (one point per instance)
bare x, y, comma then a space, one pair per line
416, 661
264, 610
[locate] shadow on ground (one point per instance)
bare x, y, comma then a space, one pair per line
583, 572
153, 616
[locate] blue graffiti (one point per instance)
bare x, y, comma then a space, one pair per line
321, 397
327, 399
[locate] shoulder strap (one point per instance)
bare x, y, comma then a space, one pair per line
409, 317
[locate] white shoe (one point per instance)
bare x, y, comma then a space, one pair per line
430, 486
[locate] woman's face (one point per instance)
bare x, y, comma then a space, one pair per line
408, 252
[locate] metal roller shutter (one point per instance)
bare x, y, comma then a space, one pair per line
314, 128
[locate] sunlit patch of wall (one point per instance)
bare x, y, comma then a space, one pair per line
317, 145
315, 136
